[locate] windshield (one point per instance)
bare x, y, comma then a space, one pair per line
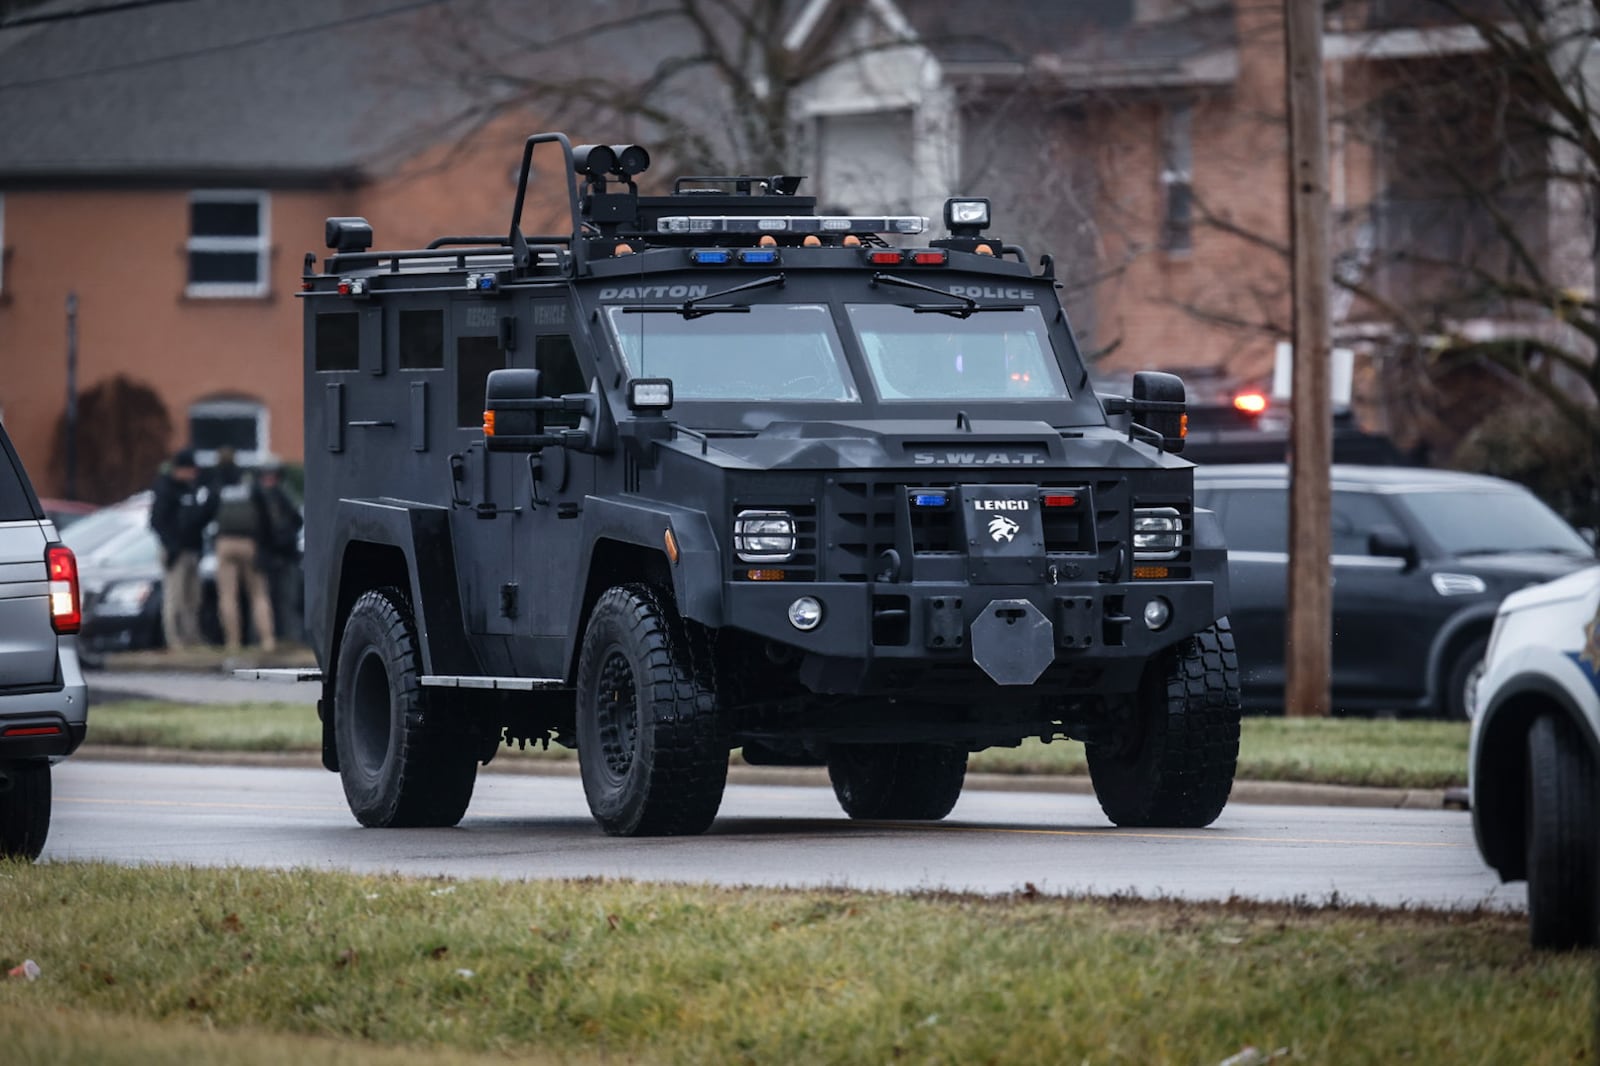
772, 352
1492, 523
994, 355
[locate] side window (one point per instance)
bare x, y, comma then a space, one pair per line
422, 340
16, 499
559, 374
228, 238
1255, 520
1355, 515
338, 341
475, 357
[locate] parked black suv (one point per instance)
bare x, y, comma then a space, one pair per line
1421, 560
710, 470
44, 702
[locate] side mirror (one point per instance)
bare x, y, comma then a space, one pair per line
1389, 542
513, 416
1158, 404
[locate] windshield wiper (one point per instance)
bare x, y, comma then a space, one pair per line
694, 308
969, 305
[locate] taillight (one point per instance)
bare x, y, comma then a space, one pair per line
66, 608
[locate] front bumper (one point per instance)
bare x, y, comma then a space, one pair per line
935, 623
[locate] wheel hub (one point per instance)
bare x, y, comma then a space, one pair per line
617, 714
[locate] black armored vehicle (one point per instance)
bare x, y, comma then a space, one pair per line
713, 471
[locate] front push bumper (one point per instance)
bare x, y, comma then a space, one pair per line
1013, 632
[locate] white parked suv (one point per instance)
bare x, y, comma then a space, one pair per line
44, 703
1534, 767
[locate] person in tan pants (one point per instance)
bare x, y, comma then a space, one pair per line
239, 520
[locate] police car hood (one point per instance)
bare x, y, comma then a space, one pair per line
928, 444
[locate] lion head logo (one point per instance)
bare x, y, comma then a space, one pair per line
1002, 528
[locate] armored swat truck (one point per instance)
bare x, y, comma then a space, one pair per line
713, 471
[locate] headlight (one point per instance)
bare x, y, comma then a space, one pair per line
764, 536
125, 598
1157, 533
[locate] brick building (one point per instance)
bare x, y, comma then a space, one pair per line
170, 166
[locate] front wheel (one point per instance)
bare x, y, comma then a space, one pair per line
1174, 763
1563, 859
24, 810
915, 782
400, 763
651, 746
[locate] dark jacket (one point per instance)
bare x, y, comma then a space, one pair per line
179, 513
277, 539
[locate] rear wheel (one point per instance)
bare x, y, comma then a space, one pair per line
919, 782
24, 810
651, 745
1459, 680
1563, 859
400, 763
1174, 763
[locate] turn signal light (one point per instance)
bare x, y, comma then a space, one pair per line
1251, 403
488, 423
1150, 572
66, 608
764, 575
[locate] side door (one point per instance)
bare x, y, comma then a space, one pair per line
1385, 611
560, 480
1255, 525
486, 503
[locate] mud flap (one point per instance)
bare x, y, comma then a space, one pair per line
1013, 642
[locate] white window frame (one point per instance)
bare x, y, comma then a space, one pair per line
260, 244
234, 409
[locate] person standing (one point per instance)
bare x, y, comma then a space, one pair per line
179, 512
278, 546
239, 521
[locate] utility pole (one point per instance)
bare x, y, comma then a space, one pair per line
1308, 641
70, 454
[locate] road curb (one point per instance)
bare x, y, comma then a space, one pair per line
1265, 793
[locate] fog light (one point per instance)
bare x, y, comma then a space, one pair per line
805, 614
1156, 613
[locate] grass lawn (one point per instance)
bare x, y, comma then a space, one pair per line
167, 964
1348, 751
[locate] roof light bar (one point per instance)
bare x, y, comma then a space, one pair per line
792, 224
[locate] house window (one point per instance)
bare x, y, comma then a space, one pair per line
228, 243
239, 424
1177, 188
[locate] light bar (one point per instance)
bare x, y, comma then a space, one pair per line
704, 256
758, 255
792, 224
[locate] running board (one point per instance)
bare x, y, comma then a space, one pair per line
283, 674
503, 684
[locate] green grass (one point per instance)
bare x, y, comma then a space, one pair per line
607, 971
1346, 751
1337, 751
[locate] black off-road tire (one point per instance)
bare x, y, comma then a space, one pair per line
24, 810
402, 764
1563, 859
1174, 766
1463, 668
652, 748
913, 782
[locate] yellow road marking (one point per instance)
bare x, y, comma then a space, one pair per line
1214, 837
190, 803
1219, 837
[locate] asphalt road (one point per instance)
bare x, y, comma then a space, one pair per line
532, 827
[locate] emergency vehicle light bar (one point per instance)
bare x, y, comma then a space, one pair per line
792, 224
